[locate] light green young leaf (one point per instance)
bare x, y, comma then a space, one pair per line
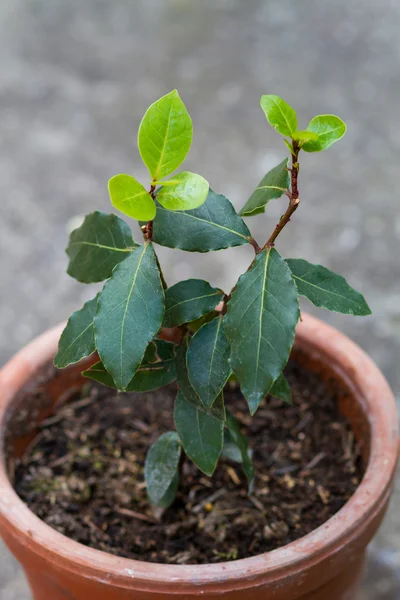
281, 389
161, 467
289, 146
77, 339
327, 289
279, 114
130, 311
329, 129
200, 433
189, 300
218, 409
207, 361
213, 226
305, 136
165, 135
130, 197
237, 437
273, 185
260, 324
97, 246
185, 191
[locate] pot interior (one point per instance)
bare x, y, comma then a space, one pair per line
54, 387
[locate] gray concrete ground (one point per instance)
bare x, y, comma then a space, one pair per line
75, 79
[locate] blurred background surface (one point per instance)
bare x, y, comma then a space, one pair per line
75, 80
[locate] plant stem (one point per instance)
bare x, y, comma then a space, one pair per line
148, 234
257, 248
148, 228
294, 199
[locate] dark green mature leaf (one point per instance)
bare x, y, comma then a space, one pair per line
329, 129
165, 135
156, 370
144, 380
195, 325
230, 450
157, 351
182, 374
273, 185
237, 437
281, 389
185, 191
77, 339
279, 114
260, 324
218, 409
130, 310
170, 494
189, 300
131, 198
97, 246
207, 361
161, 466
200, 433
213, 226
153, 377
327, 289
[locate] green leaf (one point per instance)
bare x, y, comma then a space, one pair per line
157, 351
289, 146
200, 433
305, 136
185, 191
273, 185
77, 339
195, 325
213, 226
170, 494
165, 135
279, 114
97, 246
230, 450
130, 197
207, 361
218, 409
260, 324
161, 466
144, 380
156, 370
281, 389
327, 289
329, 129
189, 300
130, 310
237, 437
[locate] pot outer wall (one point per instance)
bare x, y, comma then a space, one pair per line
324, 565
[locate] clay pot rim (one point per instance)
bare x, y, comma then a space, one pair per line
315, 337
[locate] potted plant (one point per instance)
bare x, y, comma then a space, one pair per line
220, 355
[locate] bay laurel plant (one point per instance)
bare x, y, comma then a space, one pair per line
249, 337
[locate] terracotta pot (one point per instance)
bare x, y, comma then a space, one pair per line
324, 565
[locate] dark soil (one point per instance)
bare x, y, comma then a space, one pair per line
83, 475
